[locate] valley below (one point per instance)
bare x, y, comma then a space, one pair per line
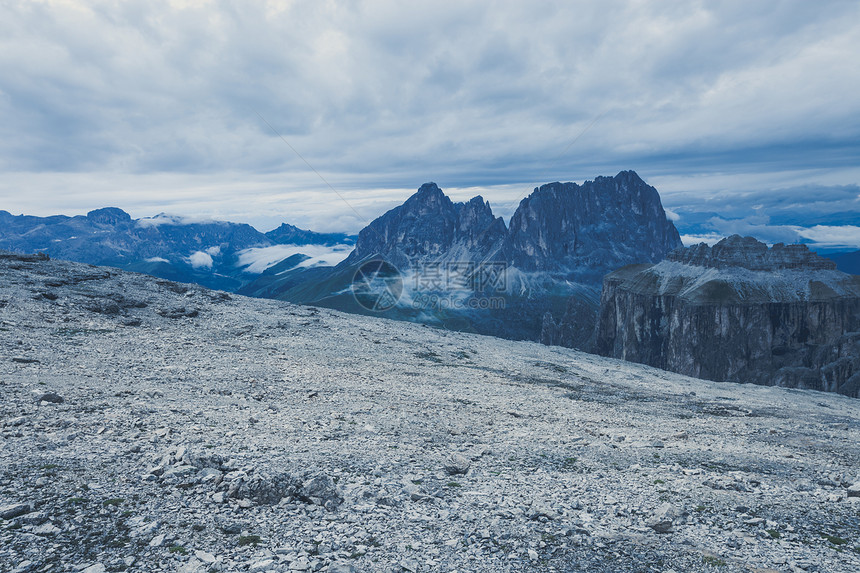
155, 426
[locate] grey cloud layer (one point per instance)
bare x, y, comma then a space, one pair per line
392, 94
826, 216
388, 88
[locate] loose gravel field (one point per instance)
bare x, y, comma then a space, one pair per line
153, 426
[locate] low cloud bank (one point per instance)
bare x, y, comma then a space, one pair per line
258, 259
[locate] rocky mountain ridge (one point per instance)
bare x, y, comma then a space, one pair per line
287, 234
566, 228
175, 248
562, 239
749, 253
460, 266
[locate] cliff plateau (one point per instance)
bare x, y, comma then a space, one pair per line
738, 311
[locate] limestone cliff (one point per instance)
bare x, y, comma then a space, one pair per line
738, 312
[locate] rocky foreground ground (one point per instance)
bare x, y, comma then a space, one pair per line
152, 426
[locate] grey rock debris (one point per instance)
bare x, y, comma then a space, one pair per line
153, 463
456, 464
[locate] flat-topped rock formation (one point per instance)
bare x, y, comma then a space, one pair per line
738, 311
748, 253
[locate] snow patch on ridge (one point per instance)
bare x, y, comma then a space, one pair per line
780, 285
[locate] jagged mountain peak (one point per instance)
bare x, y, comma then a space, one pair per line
477, 205
430, 224
429, 188
622, 178
287, 234
627, 176
286, 227
429, 199
560, 242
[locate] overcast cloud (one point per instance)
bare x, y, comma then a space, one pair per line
153, 105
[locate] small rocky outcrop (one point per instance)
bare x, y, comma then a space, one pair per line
109, 216
738, 311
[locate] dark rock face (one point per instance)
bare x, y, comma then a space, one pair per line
431, 226
738, 312
591, 228
578, 231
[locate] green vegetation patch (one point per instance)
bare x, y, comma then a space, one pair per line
429, 355
249, 540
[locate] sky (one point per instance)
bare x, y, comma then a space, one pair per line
744, 115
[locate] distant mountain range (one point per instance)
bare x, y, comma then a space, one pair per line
215, 254
846, 262
431, 260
